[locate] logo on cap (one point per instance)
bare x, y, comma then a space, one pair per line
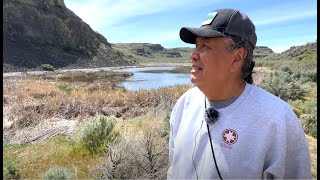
209, 18
229, 136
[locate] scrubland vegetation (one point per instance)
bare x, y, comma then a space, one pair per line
120, 134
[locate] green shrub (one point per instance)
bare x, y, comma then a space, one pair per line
56, 173
309, 124
64, 88
89, 54
286, 68
311, 106
311, 57
304, 107
306, 87
47, 67
309, 75
85, 51
97, 134
283, 85
10, 169
307, 113
119, 53
298, 106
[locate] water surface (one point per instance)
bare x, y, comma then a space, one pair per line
148, 80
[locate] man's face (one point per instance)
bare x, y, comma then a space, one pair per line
211, 61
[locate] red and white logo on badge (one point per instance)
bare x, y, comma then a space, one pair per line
229, 136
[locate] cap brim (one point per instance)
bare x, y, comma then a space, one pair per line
189, 35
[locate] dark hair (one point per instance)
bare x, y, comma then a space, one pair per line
248, 63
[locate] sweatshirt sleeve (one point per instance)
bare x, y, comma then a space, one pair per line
297, 161
174, 124
175, 120
171, 137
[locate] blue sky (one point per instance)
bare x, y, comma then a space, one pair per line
280, 24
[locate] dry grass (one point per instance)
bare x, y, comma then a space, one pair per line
35, 159
30, 100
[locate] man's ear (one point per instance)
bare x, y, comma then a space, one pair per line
239, 56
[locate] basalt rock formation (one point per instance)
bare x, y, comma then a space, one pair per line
39, 32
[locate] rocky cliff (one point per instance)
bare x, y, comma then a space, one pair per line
36, 32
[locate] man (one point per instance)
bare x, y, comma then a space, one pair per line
253, 134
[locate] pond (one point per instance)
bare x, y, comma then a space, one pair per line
154, 78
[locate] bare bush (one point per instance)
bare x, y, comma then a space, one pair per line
25, 114
144, 157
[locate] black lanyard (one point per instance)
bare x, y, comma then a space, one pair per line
214, 158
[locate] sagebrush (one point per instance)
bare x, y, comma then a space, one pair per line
56, 173
97, 134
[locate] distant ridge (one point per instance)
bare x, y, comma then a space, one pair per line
147, 52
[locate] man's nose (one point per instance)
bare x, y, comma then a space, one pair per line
194, 55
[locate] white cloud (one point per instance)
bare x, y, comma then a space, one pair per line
103, 13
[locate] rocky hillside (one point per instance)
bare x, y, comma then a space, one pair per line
306, 52
37, 32
146, 52
262, 51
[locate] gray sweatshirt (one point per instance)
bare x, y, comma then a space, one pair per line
257, 136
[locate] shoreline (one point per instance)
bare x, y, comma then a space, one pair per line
110, 68
25, 73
